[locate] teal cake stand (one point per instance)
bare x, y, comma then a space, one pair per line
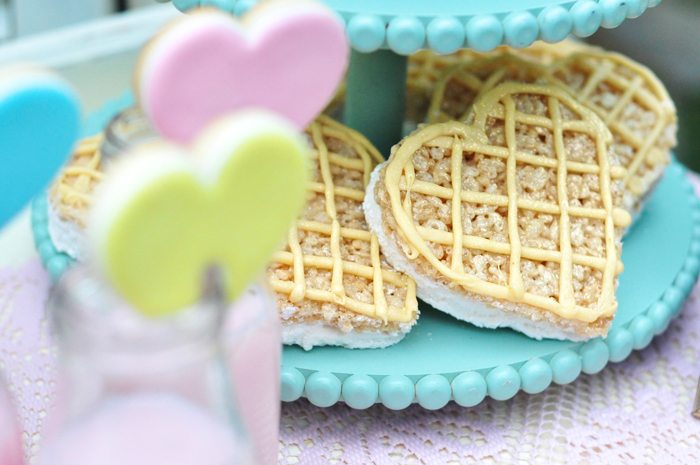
443, 359
383, 32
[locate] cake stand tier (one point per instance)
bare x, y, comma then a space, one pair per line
405, 26
383, 32
443, 359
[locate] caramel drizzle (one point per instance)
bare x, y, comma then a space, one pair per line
298, 290
75, 185
410, 179
471, 76
566, 289
72, 191
496, 200
644, 88
616, 172
426, 68
399, 178
517, 289
457, 259
600, 67
329, 193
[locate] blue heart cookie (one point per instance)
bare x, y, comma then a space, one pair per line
39, 123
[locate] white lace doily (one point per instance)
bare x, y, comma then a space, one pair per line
636, 412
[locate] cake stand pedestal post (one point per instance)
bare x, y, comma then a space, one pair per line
376, 96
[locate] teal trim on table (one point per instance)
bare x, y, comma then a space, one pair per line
405, 26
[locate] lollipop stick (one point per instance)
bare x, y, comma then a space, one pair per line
696, 404
214, 290
214, 294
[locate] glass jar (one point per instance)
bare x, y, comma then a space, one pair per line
11, 452
252, 340
131, 387
127, 129
251, 336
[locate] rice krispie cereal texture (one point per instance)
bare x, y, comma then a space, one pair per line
537, 230
71, 194
636, 107
455, 93
427, 68
331, 270
628, 97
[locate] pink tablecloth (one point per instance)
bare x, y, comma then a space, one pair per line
633, 412
636, 412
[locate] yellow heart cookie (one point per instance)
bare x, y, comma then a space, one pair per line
163, 215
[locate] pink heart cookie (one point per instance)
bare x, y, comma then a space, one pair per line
285, 56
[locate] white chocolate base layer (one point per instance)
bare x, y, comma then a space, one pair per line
310, 335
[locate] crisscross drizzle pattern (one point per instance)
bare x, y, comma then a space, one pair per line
71, 194
632, 102
499, 117
426, 68
455, 94
629, 99
330, 248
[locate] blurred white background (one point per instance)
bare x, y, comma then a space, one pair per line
94, 44
19, 18
95, 47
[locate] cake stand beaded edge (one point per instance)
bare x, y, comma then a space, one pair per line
405, 26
